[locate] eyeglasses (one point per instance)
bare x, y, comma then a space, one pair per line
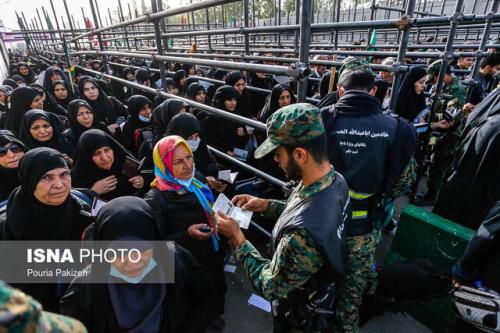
15, 148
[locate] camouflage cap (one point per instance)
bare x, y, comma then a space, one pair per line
292, 125
21, 313
352, 64
433, 69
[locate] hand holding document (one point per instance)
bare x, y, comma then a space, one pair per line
224, 205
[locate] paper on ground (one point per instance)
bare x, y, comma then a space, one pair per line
260, 302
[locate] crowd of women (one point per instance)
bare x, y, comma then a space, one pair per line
67, 138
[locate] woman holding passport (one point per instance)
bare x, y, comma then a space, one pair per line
182, 207
104, 166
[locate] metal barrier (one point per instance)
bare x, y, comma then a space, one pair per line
297, 39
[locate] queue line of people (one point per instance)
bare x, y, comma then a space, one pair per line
84, 143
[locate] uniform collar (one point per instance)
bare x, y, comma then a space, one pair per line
317, 186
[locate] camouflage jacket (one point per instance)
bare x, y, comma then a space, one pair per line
296, 258
21, 313
459, 93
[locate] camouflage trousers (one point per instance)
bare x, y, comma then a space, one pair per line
443, 155
21, 313
359, 278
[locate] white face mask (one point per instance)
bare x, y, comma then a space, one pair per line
194, 144
144, 119
134, 280
22, 84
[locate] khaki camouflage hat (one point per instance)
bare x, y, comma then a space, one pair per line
433, 69
352, 64
21, 313
291, 125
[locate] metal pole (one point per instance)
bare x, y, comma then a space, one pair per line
70, 23
101, 46
245, 14
297, 32
336, 42
41, 40
26, 36
253, 14
193, 21
279, 21
482, 44
223, 23
55, 18
305, 38
207, 17
410, 7
124, 29
111, 22
47, 20
372, 16
98, 12
422, 152
35, 35
159, 47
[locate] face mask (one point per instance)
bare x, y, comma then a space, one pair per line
186, 182
22, 84
135, 280
194, 144
144, 119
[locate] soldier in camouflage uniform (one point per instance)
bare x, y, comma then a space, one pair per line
447, 142
307, 245
372, 151
19, 313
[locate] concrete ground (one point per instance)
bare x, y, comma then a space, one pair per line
241, 317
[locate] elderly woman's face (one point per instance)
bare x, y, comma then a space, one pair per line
41, 130
129, 267
85, 117
54, 186
182, 163
10, 155
104, 158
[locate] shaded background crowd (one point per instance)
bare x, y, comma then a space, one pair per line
63, 129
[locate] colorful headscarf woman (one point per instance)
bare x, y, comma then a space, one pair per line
163, 157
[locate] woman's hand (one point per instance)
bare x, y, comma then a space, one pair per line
112, 128
137, 182
68, 160
468, 108
194, 232
216, 185
105, 185
442, 124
